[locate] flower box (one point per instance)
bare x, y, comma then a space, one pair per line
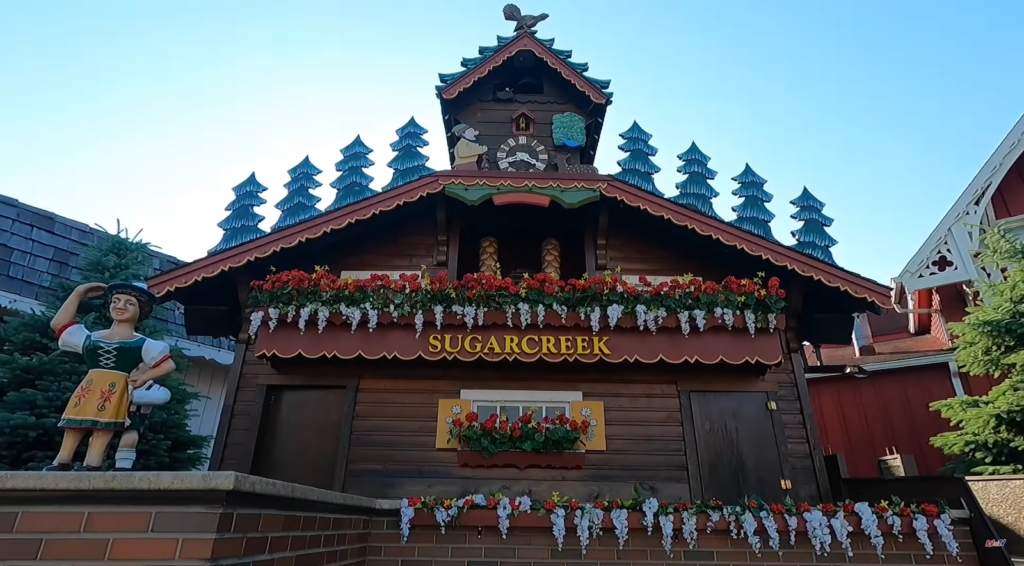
522, 460
534, 520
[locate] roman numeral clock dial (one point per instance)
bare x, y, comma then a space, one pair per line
522, 154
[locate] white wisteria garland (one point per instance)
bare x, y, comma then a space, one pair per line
896, 522
689, 527
405, 513
647, 319
792, 522
750, 531
620, 520
942, 527
768, 520
666, 522
817, 531
255, 319
842, 529
504, 509
649, 507
869, 524
920, 524
558, 526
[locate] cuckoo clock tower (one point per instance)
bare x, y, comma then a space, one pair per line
529, 109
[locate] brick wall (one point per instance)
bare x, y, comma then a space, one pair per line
248, 534
187, 535
462, 546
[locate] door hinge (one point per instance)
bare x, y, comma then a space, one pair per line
786, 484
772, 406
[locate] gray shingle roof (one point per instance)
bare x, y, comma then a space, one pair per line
39, 248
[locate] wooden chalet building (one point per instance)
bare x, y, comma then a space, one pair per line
706, 406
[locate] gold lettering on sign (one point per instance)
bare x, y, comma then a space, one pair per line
529, 344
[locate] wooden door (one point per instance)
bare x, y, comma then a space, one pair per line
736, 446
301, 435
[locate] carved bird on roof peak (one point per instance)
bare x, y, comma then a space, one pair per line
524, 22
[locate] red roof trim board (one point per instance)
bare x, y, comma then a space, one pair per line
525, 42
777, 254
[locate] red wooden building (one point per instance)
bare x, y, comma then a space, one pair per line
906, 356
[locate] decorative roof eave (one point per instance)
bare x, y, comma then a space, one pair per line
524, 42
958, 232
213, 265
775, 253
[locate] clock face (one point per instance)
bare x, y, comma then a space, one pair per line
522, 154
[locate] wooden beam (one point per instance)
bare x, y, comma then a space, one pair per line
441, 245
602, 239
241, 345
454, 227
690, 447
341, 463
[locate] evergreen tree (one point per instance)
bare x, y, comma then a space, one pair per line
752, 215
37, 379
811, 238
637, 168
990, 342
242, 222
299, 204
353, 184
695, 192
408, 164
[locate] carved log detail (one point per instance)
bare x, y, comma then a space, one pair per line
489, 255
551, 257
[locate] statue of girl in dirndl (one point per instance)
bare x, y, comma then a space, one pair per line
100, 403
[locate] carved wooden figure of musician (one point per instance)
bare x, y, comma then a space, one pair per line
100, 403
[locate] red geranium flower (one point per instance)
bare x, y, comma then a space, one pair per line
848, 508
777, 508
929, 510
803, 507
414, 501
472, 417
828, 508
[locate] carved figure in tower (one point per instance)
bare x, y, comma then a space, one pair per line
468, 153
551, 257
524, 22
100, 403
489, 255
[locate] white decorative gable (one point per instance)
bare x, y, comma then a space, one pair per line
947, 256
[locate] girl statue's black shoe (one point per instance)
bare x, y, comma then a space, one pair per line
58, 468
84, 468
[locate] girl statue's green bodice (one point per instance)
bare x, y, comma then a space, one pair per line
122, 356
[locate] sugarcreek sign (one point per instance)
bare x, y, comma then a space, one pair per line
529, 344
499, 342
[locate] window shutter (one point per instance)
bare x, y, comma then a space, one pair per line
595, 440
448, 408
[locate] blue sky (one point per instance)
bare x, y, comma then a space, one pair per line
150, 112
